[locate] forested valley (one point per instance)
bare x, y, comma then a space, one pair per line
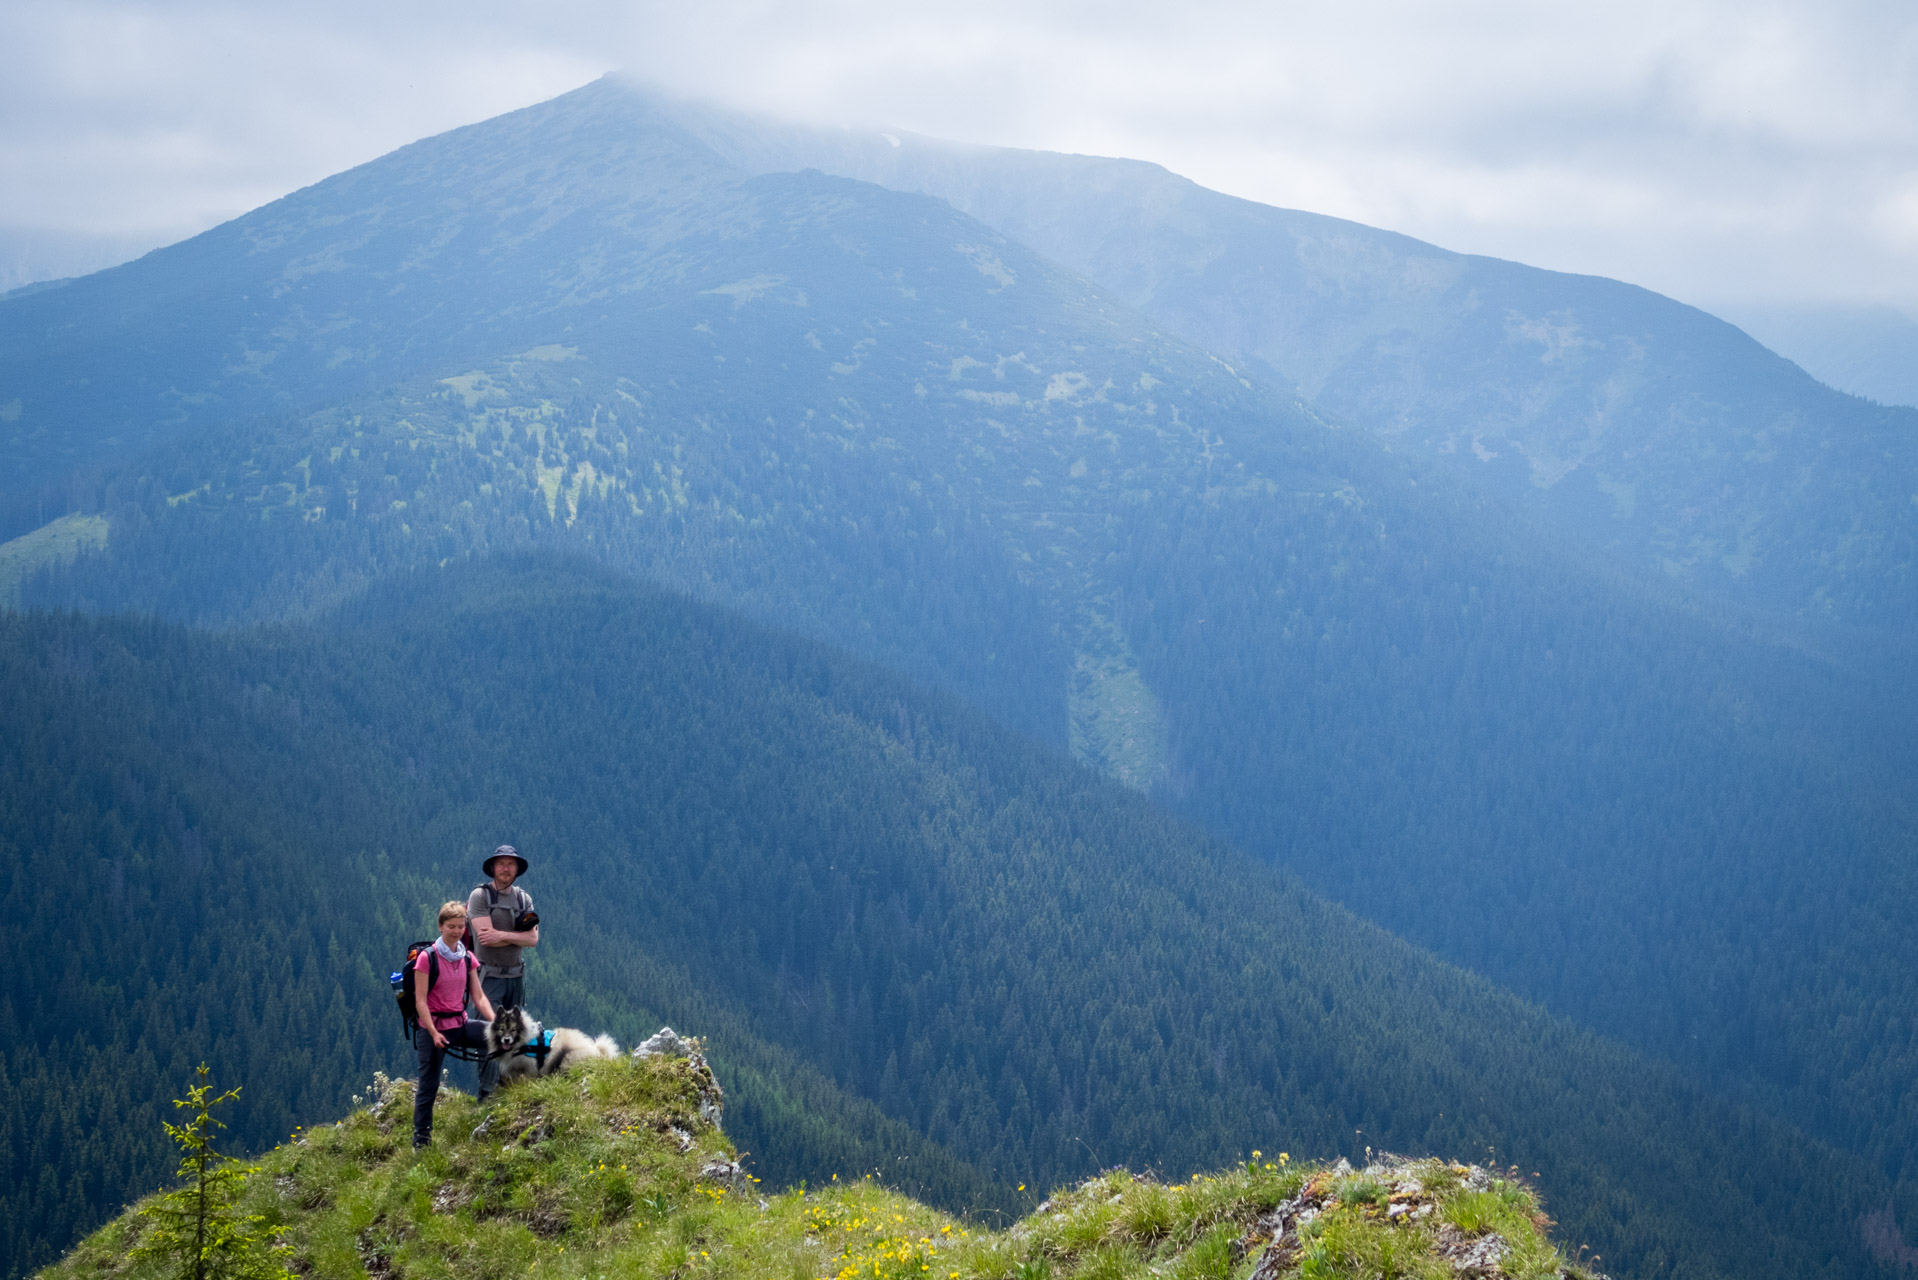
922, 944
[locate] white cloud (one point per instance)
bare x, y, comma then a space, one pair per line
1711, 149
1896, 215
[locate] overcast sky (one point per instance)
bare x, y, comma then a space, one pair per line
1715, 151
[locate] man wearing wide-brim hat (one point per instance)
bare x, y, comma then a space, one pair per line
504, 924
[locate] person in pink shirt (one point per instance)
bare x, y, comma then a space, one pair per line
448, 975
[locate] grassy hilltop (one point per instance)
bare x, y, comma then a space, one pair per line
620, 1169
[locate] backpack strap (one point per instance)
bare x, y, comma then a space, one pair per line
521, 899
432, 980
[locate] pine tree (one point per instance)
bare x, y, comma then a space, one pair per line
199, 1226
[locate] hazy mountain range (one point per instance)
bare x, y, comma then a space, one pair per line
1556, 626
1635, 423
1632, 422
1867, 351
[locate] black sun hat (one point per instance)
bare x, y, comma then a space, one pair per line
504, 851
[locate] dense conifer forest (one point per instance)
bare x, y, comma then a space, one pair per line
922, 944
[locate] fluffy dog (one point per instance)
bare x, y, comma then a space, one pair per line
524, 1048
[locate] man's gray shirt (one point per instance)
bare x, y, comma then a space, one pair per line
503, 910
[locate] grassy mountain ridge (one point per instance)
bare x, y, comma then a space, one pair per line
1020, 962
617, 1169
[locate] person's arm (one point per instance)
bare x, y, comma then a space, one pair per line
488, 936
478, 993
419, 1002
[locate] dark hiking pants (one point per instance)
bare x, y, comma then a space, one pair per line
501, 993
426, 1089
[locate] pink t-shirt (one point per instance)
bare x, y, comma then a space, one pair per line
447, 999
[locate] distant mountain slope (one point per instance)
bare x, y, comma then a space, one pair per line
864, 389
870, 418
1621, 418
446, 250
1866, 351
1027, 965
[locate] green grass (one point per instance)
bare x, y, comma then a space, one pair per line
608, 1171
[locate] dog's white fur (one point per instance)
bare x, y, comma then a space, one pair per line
515, 1028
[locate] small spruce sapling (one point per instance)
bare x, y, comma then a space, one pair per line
198, 1227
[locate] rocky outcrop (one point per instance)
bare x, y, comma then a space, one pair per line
1447, 1211
667, 1043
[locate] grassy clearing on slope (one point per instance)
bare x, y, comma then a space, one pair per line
56, 542
610, 1171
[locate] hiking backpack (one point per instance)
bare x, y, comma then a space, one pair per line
406, 989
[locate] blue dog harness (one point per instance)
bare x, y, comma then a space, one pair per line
538, 1049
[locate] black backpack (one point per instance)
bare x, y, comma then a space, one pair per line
406, 991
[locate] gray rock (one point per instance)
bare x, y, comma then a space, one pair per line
1471, 1256
729, 1173
666, 1043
